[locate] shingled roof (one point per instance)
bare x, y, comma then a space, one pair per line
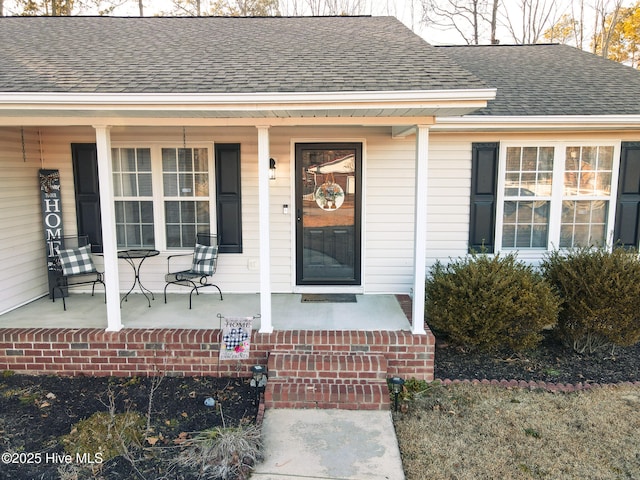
550, 80
220, 55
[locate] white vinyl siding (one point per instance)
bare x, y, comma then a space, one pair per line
23, 266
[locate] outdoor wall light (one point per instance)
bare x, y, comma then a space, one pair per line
258, 380
396, 387
272, 169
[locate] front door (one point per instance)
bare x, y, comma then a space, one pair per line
328, 204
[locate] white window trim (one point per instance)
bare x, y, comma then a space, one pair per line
158, 197
555, 210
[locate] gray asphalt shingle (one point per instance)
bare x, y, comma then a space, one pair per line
220, 55
550, 80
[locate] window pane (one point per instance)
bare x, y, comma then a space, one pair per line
203, 213
539, 236
188, 212
523, 236
129, 185
509, 236
597, 236
545, 160
172, 212
590, 157
186, 185
170, 185
188, 235
173, 236
200, 157
202, 184
544, 181
128, 159
513, 159
115, 159
131, 212
529, 159
119, 207
117, 186
603, 184
148, 238
146, 212
605, 158
169, 163
145, 185
144, 160
133, 235
185, 160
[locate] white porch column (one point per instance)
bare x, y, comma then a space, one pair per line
263, 224
107, 211
420, 234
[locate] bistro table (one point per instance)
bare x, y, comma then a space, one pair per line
135, 257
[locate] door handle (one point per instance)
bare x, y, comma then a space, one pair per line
298, 216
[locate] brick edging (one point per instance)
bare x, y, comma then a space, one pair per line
537, 385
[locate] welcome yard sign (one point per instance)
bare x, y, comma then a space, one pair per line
236, 338
52, 218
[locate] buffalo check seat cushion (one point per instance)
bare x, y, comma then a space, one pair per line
76, 261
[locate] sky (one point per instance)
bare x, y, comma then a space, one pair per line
408, 11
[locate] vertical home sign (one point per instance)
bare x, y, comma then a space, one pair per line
52, 218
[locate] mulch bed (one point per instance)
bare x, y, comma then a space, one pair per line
36, 411
552, 363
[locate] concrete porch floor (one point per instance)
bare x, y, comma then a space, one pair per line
369, 313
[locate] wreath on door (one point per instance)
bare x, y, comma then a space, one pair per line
329, 196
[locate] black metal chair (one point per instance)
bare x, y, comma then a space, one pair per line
74, 263
203, 266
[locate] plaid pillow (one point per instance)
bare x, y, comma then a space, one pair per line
203, 259
76, 261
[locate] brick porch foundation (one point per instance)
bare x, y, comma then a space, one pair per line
306, 368
195, 352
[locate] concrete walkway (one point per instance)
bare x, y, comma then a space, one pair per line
329, 445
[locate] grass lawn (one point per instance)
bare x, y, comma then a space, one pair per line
464, 431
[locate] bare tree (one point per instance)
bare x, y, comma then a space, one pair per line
531, 20
494, 21
467, 17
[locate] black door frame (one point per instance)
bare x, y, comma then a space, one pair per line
357, 237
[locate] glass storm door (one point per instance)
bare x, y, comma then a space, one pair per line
328, 213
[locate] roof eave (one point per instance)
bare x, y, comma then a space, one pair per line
139, 109
494, 123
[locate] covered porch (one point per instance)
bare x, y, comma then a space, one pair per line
289, 312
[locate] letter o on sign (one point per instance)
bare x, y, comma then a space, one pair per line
53, 220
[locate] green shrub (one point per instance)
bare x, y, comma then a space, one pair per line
490, 302
600, 293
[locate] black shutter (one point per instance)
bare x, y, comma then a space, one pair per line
229, 199
85, 179
484, 188
625, 232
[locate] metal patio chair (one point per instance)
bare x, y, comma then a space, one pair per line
74, 263
203, 266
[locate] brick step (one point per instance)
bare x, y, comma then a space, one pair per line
327, 380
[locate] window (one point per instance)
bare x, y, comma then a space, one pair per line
587, 189
185, 180
133, 193
555, 195
527, 196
